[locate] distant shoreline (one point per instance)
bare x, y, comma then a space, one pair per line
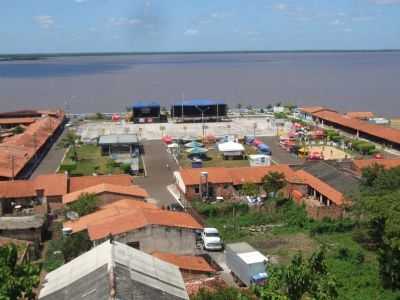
41, 56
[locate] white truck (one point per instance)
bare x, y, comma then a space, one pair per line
246, 264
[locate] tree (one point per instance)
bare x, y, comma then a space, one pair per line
250, 189
274, 182
302, 278
75, 245
16, 280
85, 204
69, 141
379, 207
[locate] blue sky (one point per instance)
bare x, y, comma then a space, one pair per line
37, 26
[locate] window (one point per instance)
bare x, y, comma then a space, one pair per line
135, 244
196, 190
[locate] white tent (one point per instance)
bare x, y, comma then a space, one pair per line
231, 149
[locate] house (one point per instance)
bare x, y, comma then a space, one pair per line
224, 182
29, 193
21, 153
359, 164
49, 190
113, 270
109, 210
359, 128
141, 225
323, 188
28, 228
108, 193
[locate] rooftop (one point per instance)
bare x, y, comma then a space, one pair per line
132, 190
386, 163
322, 187
235, 176
241, 247
110, 210
137, 275
386, 133
82, 182
21, 222
118, 139
199, 102
186, 262
139, 218
360, 114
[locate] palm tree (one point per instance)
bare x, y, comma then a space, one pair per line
274, 182
69, 141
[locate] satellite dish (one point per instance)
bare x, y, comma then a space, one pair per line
72, 215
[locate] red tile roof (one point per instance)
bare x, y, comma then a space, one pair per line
215, 175
139, 218
313, 109
235, 176
389, 134
360, 114
186, 262
386, 163
322, 187
117, 208
82, 182
16, 121
131, 190
52, 184
17, 151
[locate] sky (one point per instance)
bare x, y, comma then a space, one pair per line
65, 26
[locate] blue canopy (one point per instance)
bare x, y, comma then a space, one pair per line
142, 104
199, 102
263, 148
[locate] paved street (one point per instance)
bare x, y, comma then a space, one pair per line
279, 155
158, 176
52, 160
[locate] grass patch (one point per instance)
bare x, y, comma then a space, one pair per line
91, 161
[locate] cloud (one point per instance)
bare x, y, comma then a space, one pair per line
80, 1
44, 22
191, 32
280, 6
124, 21
362, 18
385, 2
347, 30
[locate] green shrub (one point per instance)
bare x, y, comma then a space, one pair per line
85, 204
69, 167
126, 168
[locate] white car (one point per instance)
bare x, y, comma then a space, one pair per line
211, 239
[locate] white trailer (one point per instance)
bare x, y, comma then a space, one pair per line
246, 263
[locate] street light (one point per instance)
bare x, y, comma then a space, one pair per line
202, 115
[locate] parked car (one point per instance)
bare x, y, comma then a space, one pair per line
175, 207
211, 239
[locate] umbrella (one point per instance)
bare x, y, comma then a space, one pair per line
193, 144
196, 150
167, 139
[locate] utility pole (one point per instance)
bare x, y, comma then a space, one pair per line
12, 166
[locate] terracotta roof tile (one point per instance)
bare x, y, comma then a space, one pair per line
16, 121
215, 175
82, 182
17, 150
389, 134
320, 186
312, 109
186, 262
139, 218
53, 185
235, 176
360, 114
386, 163
131, 190
117, 208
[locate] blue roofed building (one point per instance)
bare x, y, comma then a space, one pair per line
199, 110
147, 112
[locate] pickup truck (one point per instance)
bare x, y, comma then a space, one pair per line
211, 239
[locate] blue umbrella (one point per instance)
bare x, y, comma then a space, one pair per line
193, 144
196, 150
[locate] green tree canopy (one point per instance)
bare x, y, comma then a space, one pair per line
85, 204
274, 182
16, 280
